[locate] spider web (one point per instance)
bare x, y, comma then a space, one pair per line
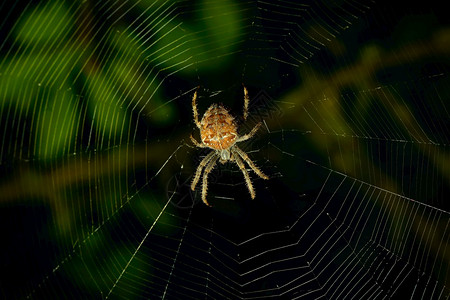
96, 161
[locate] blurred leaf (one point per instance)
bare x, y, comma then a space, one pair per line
48, 23
37, 82
99, 257
150, 210
152, 6
371, 55
220, 17
104, 103
174, 48
15, 89
128, 71
217, 32
49, 69
57, 125
163, 113
124, 41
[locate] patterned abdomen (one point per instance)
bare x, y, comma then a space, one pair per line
218, 129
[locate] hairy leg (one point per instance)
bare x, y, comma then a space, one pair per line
194, 108
208, 169
200, 167
250, 134
252, 165
197, 144
241, 166
246, 100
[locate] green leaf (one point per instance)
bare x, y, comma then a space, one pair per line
202, 45
45, 69
133, 79
223, 21
108, 117
174, 48
17, 90
56, 129
51, 22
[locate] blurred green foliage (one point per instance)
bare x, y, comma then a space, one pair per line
57, 127
185, 46
74, 80
104, 104
52, 53
47, 25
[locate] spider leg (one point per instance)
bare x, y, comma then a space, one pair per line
252, 165
197, 144
208, 169
200, 167
246, 100
194, 109
250, 134
241, 166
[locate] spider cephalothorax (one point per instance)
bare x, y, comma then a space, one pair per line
218, 131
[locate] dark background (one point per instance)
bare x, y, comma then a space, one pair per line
96, 162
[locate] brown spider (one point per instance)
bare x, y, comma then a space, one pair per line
218, 131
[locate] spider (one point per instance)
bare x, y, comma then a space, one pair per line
218, 131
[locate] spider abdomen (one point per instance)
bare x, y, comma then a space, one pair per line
218, 128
